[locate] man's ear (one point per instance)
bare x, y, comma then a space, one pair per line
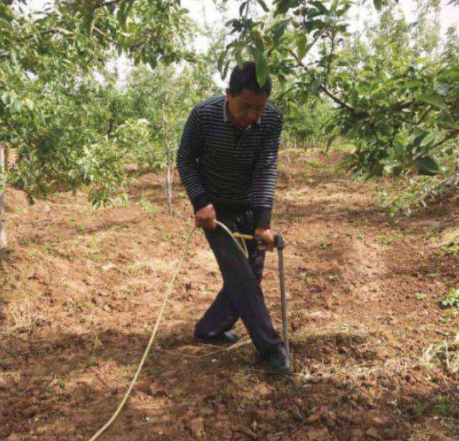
228, 93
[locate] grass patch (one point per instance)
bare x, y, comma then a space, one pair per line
444, 354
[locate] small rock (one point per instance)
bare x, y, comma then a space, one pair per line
13, 437
312, 419
317, 434
262, 389
197, 428
373, 433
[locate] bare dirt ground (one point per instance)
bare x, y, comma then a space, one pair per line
81, 291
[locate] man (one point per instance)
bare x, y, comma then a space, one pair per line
227, 162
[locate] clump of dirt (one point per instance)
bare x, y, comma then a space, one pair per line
81, 291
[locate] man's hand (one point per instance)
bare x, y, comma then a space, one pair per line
268, 239
205, 218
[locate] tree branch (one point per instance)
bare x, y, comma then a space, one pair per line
324, 88
337, 100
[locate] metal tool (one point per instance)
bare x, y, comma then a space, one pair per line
279, 244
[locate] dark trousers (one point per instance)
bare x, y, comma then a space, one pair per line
241, 295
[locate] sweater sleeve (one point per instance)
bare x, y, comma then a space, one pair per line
191, 143
264, 176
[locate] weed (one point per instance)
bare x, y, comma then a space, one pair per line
451, 299
444, 353
443, 406
391, 238
20, 210
148, 207
26, 240
420, 409
452, 248
81, 229
418, 192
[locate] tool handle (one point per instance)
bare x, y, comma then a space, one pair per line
278, 240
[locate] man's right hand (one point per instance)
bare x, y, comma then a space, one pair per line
205, 218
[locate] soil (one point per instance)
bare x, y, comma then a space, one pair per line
81, 291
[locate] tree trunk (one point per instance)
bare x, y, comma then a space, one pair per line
170, 183
3, 240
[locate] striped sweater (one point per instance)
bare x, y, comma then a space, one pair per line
223, 165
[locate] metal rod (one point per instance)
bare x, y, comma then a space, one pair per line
280, 247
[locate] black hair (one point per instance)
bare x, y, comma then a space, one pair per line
246, 78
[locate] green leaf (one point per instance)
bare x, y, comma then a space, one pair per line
301, 43
263, 5
428, 139
258, 41
399, 151
378, 4
426, 166
239, 60
321, 7
401, 139
221, 60
279, 29
282, 6
262, 69
28, 103
434, 99
88, 22
413, 84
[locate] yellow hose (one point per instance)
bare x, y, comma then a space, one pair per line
242, 248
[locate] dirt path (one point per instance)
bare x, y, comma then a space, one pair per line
81, 291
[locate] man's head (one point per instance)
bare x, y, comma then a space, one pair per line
246, 99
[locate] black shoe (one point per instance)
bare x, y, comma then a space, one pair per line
278, 360
221, 337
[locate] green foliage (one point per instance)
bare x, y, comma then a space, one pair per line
161, 101
392, 92
149, 32
403, 103
451, 299
416, 192
62, 114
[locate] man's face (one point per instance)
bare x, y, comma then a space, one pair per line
246, 107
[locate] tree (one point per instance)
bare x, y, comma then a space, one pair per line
163, 99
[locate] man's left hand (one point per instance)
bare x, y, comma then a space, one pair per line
267, 236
